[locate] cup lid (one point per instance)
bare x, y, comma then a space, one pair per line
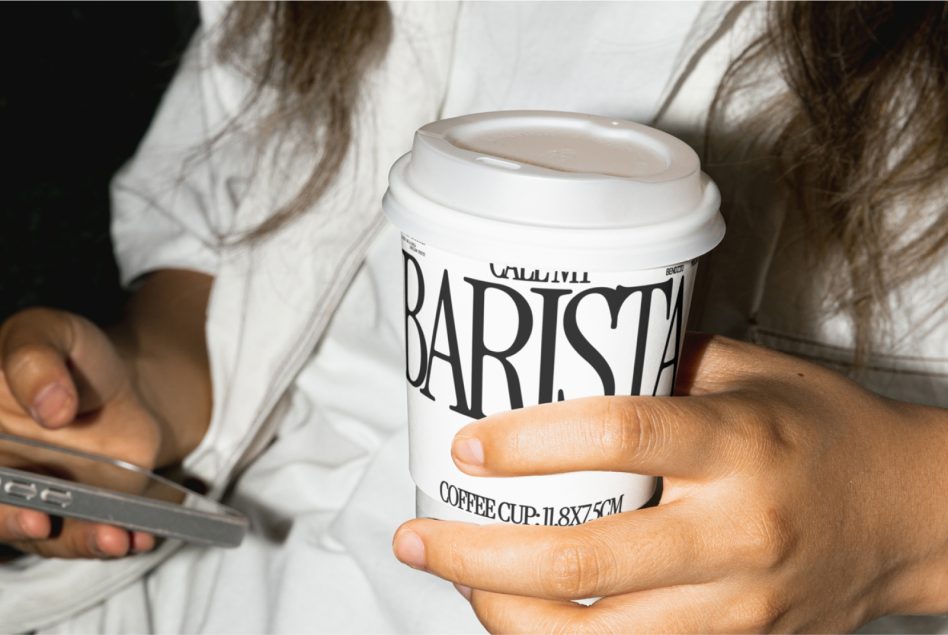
557, 181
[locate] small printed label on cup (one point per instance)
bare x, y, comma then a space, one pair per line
484, 337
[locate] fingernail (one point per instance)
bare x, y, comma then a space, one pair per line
469, 451
410, 549
49, 404
464, 590
141, 542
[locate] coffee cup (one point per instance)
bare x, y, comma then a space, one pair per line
546, 256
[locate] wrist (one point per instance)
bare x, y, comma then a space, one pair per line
159, 385
163, 345
919, 583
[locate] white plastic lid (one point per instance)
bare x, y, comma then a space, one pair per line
554, 187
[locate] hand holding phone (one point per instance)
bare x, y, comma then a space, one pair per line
63, 381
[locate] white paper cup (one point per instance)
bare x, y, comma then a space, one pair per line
546, 256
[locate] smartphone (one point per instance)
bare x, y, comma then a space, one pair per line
75, 484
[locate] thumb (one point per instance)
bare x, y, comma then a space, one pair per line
57, 365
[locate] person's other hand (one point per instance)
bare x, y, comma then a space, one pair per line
63, 381
793, 501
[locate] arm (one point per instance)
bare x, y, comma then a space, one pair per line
143, 388
793, 501
162, 343
141, 394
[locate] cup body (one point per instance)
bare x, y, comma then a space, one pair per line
514, 297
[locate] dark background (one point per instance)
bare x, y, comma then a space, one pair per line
79, 83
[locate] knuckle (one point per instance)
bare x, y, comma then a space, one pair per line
11, 525
723, 353
27, 321
761, 612
738, 354
769, 539
26, 359
564, 564
757, 431
75, 544
633, 429
719, 345
27, 317
512, 441
573, 570
456, 563
39, 326
654, 425
24, 547
77, 540
618, 432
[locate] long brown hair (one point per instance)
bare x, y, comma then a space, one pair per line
861, 133
863, 123
312, 57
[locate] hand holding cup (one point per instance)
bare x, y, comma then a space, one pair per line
793, 501
547, 256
